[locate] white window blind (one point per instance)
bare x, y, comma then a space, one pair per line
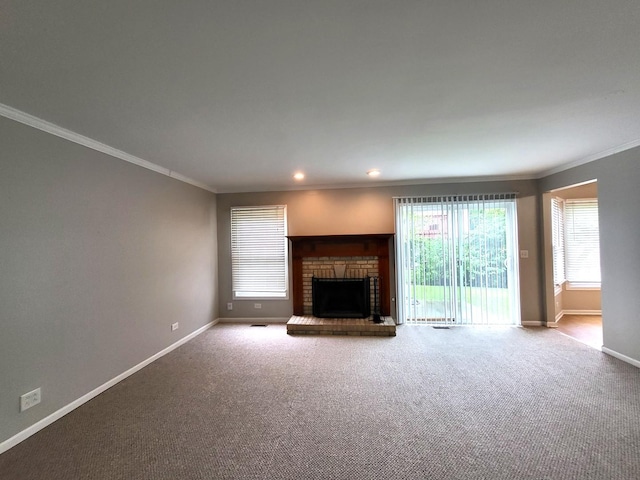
557, 241
582, 254
259, 251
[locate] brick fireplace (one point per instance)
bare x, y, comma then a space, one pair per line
358, 256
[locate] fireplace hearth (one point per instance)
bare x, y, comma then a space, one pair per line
341, 297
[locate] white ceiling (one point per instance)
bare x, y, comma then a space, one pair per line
239, 94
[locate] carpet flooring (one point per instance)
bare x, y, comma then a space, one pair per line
241, 402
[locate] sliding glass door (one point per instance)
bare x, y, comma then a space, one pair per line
456, 260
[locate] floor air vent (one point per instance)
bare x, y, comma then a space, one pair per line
258, 325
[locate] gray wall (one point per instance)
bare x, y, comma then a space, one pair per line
370, 210
98, 257
618, 205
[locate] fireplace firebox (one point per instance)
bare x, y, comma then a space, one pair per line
341, 297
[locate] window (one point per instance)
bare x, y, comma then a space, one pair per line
582, 242
557, 240
575, 243
259, 252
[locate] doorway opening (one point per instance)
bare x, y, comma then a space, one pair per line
572, 258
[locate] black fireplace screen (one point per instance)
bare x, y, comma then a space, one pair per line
341, 298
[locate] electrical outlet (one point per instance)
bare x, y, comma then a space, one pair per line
524, 253
257, 305
30, 399
174, 326
229, 306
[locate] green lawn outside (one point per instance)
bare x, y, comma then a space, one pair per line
496, 299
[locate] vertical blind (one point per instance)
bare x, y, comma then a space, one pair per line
259, 251
456, 262
582, 254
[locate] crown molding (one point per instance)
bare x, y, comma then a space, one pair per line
590, 158
380, 184
53, 129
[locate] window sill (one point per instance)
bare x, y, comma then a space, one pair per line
259, 296
582, 286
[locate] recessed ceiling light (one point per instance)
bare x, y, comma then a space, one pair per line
298, 175
373, 173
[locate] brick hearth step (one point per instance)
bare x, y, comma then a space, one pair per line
310, 325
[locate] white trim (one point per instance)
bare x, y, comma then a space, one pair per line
594, 286
254, 320
390, 183
555, 323
40, 124
531, 323
263, 296
45, 126
590, 158
620, 356
581, 312
36, 427
572, 312
579, 184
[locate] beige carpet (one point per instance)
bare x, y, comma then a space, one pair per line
242, 402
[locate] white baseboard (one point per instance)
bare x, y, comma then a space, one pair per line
36, 427
620, 356
556, 322
572, 312
558, 317
531, 323
580, 312
254, 320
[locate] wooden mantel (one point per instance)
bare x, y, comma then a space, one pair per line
366, 245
